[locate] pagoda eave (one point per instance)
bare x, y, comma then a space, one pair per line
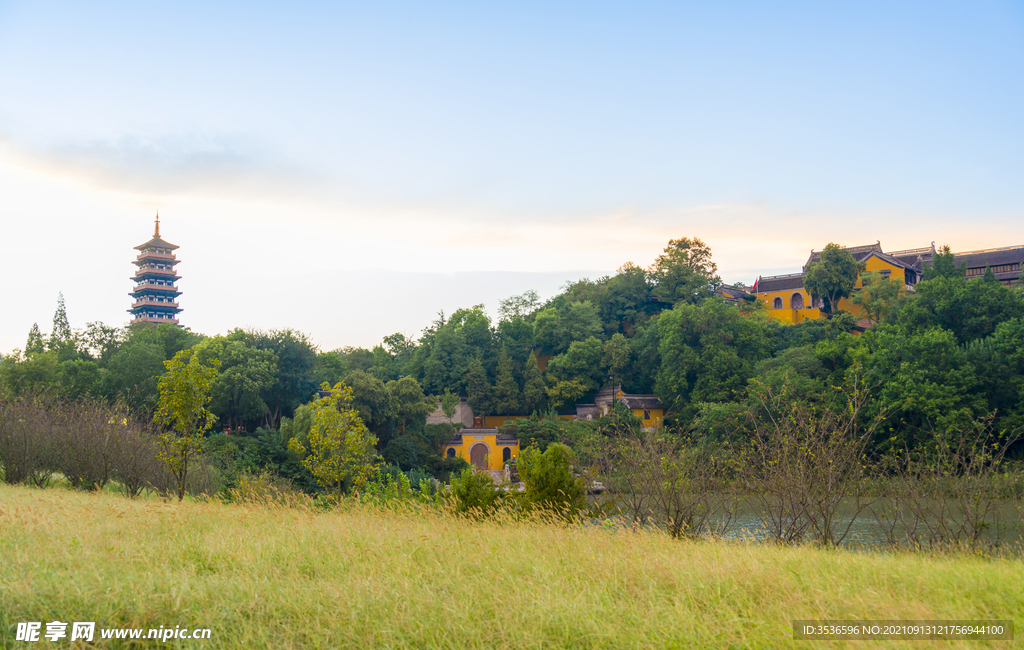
153, 309
165, 275
149, 292
156, 259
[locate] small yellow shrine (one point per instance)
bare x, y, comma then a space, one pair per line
485, 449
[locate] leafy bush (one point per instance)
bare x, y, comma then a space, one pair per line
475, 493
550, 482
390, 487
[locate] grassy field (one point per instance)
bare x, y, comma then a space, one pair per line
279, 577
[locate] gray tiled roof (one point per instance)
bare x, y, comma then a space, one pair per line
641, 402
994, 257
781, 282
860, 253
500, 438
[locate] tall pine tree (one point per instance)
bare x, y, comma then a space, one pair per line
35, 343
507, 398
535, 392
481, 398
61, 337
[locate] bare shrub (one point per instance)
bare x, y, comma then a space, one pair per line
951, 490
670, 481
136, 462
805, 460
159, 478
204, 478
90, 436
28, 446
89, 441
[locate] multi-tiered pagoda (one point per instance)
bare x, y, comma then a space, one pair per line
155, 294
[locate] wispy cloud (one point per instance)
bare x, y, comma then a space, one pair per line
213, 166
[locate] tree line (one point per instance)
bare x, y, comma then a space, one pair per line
944, 355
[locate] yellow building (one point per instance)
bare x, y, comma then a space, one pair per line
647, 408
485, 449
788, 301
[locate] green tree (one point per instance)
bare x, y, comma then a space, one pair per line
684, 272
944, 266
370, 397
328, 368
245, 373
626, 302
548, 332
409, 402
445, 362
102, 341
184, 394
833, 276
580, 363
78, 377
969, 309
133, 374
384, 367
475, 327
534, 389
877, 296
550, 482
61, 338
401, 348
580, 321
35, 343
507, 396
20, 374
474, 494
481, 396
449, 404
338, 448
171, 338
617, 355
518, 307
517, 335
707, 352
564, 392
925, 379
294, 380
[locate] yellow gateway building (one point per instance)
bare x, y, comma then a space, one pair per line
485, 449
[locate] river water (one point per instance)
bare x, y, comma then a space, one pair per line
1006, 527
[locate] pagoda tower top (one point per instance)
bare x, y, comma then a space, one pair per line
157, 241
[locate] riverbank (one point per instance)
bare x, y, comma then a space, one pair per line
280, 577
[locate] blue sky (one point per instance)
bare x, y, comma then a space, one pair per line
395, 153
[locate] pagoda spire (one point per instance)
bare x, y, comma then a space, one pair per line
156, 230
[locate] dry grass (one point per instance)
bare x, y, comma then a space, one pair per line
282, 577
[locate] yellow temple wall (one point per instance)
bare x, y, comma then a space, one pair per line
792, 316
494, 450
